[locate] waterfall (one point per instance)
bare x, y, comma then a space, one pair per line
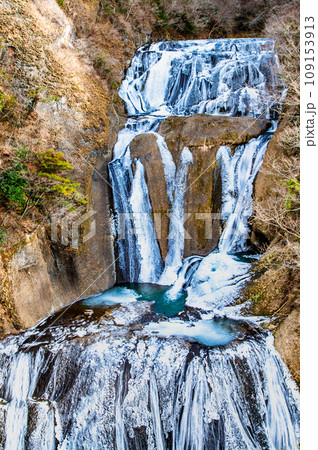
176, 231
234, 77
150, 258
224, 76
238, 174
108, 372
129, 389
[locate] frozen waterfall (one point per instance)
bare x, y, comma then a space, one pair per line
236, 77
88, 384
124, 370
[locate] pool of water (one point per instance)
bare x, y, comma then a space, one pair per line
209, 332
130, 292
114, 296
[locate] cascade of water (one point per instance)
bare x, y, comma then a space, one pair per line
128, 253
176, 229
143, 227
126, 390
226, 76
238, 174
121, 436
220, 277
184, 276
217, 281
235, 77
129, 243
18, 392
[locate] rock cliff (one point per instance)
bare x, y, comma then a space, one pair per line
275, 288
58, 101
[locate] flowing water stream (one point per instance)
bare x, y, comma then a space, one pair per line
156, 362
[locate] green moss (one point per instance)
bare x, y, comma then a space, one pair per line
292, 199
115, 85
258, 297
50, 99
8, 105
102, 66
107, 8
21, 153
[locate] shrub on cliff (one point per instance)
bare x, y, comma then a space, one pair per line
8, 105
280, 213
34, 180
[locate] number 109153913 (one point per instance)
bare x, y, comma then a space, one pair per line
309, 51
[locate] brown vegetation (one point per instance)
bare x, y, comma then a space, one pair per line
275, 289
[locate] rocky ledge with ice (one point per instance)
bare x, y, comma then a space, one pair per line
120, 378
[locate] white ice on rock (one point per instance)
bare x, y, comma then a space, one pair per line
122, 390
150, 257
217, 281
176, 230
238, 174
224, 76
207, 332
220, 275
115, 296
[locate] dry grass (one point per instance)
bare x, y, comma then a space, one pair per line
283, 26
280, 213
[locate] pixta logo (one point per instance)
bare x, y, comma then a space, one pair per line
66, 224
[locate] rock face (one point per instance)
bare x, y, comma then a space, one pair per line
38, 277
274, 292
201, 129
54, 90
27, 293
275, 289
265, 186
203, 135
40, 274
287, 341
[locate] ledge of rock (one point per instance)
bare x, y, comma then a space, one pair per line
205, 130
203, 135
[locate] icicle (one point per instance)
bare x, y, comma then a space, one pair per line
176, 228
143, 227
238, 174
